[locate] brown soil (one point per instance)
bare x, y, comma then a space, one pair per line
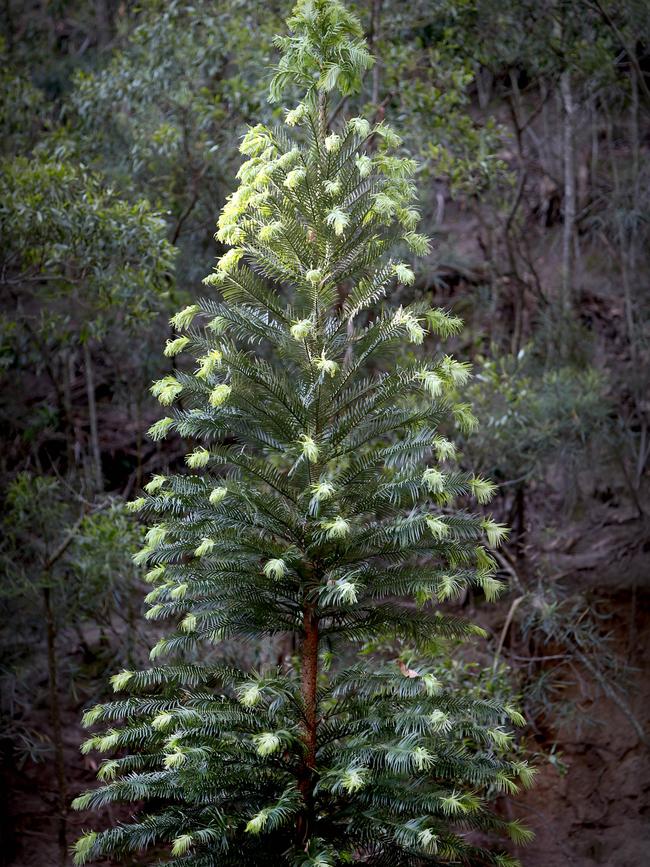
597, 812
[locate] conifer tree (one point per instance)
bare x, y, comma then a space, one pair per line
323, 502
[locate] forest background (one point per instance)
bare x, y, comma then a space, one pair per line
531, 120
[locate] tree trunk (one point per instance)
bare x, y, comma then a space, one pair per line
569, 193
103, 22
95, 451
372, 44
139, 470
521, 519
309, 682
67, 378
628, 244
55, 721
9, 25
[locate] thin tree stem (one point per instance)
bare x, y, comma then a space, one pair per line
309, 680
92, 417
569, 193
55, 719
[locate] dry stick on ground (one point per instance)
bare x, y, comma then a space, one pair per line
611, 693
510, 569
506, 626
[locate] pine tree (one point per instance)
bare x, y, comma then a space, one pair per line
320, 506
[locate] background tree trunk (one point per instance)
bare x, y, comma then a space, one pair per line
568, 257
95, 451
55, 721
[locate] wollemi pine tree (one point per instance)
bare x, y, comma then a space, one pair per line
320, 505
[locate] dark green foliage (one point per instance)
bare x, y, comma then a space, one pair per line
530, 414
327, 506
64, 564
67, 232
163, 114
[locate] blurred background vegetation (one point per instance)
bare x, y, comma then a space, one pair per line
531, 122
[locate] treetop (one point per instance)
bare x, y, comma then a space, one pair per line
324, 51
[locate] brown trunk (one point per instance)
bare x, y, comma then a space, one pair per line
55, 719
309, 678
309, 659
